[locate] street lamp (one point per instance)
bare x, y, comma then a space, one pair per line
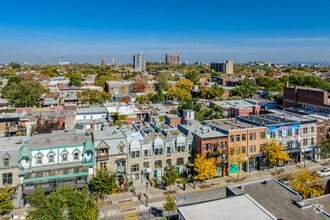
147, 193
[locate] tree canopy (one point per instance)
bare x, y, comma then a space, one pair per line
193, 76
170, 176
64, 203
93, 96
205, 168
103, 182
246, 88
6, 193
139, 85
275, 152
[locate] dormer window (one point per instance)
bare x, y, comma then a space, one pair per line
39, 160
6, 162
64, 157
51, 158
76, 156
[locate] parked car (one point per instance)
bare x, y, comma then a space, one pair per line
325, 171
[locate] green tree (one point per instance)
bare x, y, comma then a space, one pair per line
170, 176
193, 76
6, 204
162, 81
246, 89
325, 148
65, 203
23, 94
93, 96
75, 79
170, 204
104, 182
15, 65
49, 70
160, 96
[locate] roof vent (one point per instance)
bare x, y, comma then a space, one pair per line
241, 187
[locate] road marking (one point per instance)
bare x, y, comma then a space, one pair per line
200, 198
127, 205
217, 195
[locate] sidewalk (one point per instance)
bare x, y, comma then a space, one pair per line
221, 182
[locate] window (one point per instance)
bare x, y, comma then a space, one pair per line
243, 137
180, 148
231, 151
238, 138
252, 136
262, 135
215, 147
289, 132
135, 154
168, 150
305, 142
76, 156
243, 150
180, 161
169, 162
135, 167
145, 153
159, 151
321, 130
6, 162
158, 164
7, 178
262, 146
312, 141
65, 157
312, 129
103, 165
280, 133
253, 149
146, 165
207, 147
232, 138
51, 158
222, 145
272, 134
39, 160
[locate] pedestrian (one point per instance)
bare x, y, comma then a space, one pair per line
140, 196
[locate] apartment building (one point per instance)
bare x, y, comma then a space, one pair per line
247, 138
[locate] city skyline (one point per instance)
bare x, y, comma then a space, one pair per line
40, 32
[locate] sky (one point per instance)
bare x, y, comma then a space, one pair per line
278, 31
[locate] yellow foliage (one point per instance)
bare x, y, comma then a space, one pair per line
275, 152
305, 183
238, 157
179, 93
184, 84
205, 168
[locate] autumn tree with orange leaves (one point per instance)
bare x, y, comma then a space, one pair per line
139, 85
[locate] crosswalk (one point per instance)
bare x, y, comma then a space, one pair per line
128, 210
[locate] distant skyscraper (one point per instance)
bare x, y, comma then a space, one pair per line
104, 62
139, 62
225, 67
172, 59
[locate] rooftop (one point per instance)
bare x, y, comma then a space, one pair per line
267, 120
91, 110
234, 104
109, 133
230, 124
57, 138
280, 204
202, 131
237, 207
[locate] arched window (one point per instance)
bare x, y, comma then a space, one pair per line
51, 158
180, 161
146, 165
158, 164
135, 167
169, 162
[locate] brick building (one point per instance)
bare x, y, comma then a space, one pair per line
312, 99
247, 138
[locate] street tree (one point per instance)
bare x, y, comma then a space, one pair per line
64, 203
325, 148
275, 152
103, 182
6, 203
170, 176
169, 205
238, 158
306, 184
139, 85
205, 168
246, 88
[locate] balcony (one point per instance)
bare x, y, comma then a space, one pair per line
102, 157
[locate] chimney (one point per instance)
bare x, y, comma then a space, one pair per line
93, 125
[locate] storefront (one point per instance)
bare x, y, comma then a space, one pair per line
294, 156
260, 162
309, 153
